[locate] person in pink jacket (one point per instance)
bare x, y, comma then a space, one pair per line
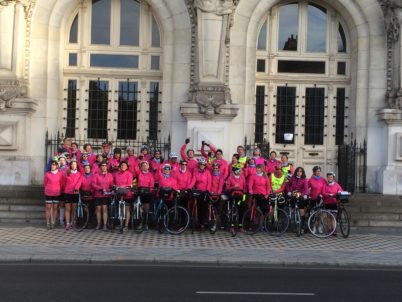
188, 156
258, 159
167, 184
201, 182
316, 183
250, 168
103, 182
223, 164
52, 182
124, 179
91, 155
184, 178
217, 179
132, 161
96, 165
145, 184
114, 162
87, 193
329, 192
259, 185
71, 187
156, 162
272, 162
236, 184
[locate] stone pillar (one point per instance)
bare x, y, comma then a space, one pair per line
209, 109
390, 177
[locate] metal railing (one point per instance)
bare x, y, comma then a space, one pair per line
250, 146
352, 166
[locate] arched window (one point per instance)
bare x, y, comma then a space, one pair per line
113, 71
302, 79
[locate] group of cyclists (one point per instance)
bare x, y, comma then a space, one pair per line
74, 173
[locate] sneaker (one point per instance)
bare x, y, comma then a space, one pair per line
48, 226
140, 227
71, 226
145, 227
125, 229
98, 227
105, 227
52, 226
213, 229
241, 230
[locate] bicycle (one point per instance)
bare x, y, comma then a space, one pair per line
195, 195
276, 221
137, 217
177, 218
342, 216
120, 192
231, 213
321, 223
293, 211
213, 212
253, 219
160, 209
81, 214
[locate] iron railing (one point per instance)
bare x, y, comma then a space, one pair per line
53, 142
264, 146
352, 167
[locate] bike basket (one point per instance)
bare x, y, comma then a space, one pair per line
121, 191
343, 196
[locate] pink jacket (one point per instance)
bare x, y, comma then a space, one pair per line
316, 186
184, 180
249, 171
271, 164
201, 181
259, 160
168, 182
259, 185
87, 180
53, 183
297, 184
71, 182
146, 180
123, 180
217, 182
113, 165
192, 163
132, 164
236, 184
223, 167
328, 190
102, 182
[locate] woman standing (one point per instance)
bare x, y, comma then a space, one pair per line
146, 183
124, 179
71, 187
53, 184
316, 183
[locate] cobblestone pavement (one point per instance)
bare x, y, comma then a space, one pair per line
36, 244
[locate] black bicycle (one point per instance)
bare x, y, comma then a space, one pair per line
81, 214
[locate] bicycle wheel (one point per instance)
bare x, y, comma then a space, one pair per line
81, 217
344, 223
276, 226
322, 223
297, 222
161, 213
122, 210
136, 219
177, 220
112, 216
252, 222
212, 218
233, 222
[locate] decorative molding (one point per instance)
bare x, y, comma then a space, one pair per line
390, 116
209, 96
392, 27
8, 135
13, 98
398, 146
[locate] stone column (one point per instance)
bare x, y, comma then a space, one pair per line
209, 108
390, 178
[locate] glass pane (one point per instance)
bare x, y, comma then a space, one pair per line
97, 109
260, 65
301, 66
72, 59
74, 31
153, 110
341, 68
116, 61
155, 62
341, 39
127, 112
262, 37
156, 38
340, 116
100, 22
285, 113
71, 107
130, 23
314, 120
288, 27
316, 28
259, 114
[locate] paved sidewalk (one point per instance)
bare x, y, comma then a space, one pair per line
35, 244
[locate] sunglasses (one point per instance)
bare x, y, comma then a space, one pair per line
183, 164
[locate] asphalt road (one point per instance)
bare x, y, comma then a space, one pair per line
59, 283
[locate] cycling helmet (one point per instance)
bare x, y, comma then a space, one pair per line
130, 148
215, 164
236, 168
201, 161
167, 167
331, 173
173, 155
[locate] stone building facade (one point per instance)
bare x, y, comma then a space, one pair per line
303, 75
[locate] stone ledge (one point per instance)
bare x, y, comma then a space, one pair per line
191, 111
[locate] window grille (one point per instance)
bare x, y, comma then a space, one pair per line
285, 113
340, 116
259, 114
71, 107
153, 110
98, 109
314, 117
127, 110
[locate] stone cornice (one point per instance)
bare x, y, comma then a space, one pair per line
390, 116
13, 98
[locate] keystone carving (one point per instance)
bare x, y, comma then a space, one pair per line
217, 7
211, 98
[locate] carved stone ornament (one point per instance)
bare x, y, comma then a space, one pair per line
218, 7
210, 98
392, 24
27, 4
13, 98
